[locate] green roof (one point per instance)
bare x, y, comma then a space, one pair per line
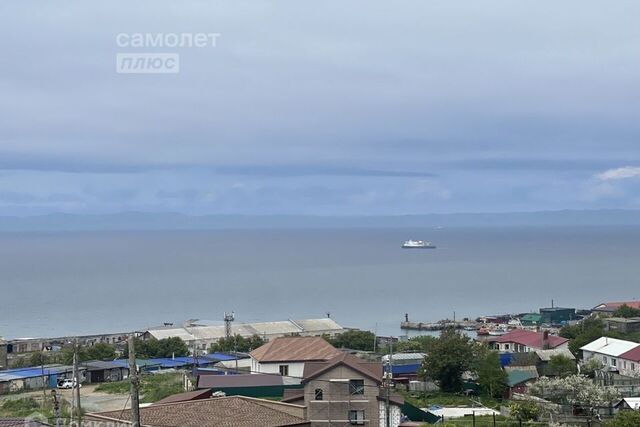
517, 377
531, 317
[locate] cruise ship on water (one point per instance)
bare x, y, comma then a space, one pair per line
418, 244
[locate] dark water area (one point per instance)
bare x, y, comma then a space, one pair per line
92, 282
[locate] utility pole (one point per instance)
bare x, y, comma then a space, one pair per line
75, 384
56, 407
135, 384
388, 377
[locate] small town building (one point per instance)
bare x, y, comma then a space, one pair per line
608, 351
630, 362
233, 411
628, 403
608, 308
13, 380
345, 390
544, 357
525, 341
622, 324
201, 336
404, 366
287, 356
519, 378
251, 385
531, 319
557, 315
98, 371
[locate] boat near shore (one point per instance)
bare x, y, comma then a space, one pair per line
418, 244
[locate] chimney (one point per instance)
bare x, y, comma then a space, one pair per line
545, 340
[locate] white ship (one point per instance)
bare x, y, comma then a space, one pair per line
418, 244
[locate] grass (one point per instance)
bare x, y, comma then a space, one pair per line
152, 387
427, 399
28, 406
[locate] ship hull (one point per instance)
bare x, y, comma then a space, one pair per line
419, 247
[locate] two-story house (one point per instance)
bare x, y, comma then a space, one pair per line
609, 351
524, 341
288, 356
345, 390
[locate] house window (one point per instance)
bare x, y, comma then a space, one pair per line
614, 362
284, 370
506, 346
633, 366
318, 394
356, 387
356, 417
604, 359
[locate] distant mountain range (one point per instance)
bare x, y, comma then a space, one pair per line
174, 221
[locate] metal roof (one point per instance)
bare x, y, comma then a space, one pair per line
215, 332
404, 356
33, 372
609, 346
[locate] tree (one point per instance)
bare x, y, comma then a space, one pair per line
101, 351
355, 340
524, 411
491, 377
625, 419
590, 329
625, 311
449, 357
576, 390
237, 343
562, 366
416, 344
152, 348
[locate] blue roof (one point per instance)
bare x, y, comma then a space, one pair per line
405, 369
32, 372
223, 357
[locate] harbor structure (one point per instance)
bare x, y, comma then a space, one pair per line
201, 337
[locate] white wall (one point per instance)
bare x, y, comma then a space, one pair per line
296, 369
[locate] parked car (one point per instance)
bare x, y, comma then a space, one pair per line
68, 383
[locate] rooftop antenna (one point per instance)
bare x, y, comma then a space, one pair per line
228, 318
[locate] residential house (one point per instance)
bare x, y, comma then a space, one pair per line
628, 403
524, 341
622, 324
608, 351
629, 363
544, 357
287, 356
518, 379
233, 411
607, 308
345, 390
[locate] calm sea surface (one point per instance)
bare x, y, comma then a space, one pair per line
72, 283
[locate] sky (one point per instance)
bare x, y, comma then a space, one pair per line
326, 108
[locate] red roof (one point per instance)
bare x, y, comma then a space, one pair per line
611, 306
633, 354
530, 339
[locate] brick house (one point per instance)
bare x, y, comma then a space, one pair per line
345, 390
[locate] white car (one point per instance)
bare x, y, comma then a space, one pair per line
67, 384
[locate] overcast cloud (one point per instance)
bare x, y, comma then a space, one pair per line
327, 108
